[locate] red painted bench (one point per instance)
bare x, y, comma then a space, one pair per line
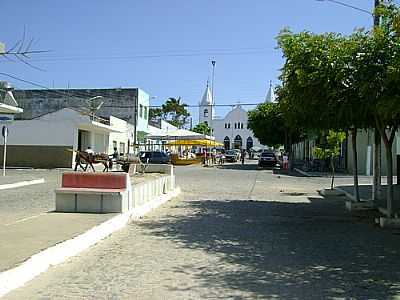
93, 182
80, 183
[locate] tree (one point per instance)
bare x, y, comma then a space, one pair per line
202, 128
331, 149
267, 124
155, 113
175, 112
322, 84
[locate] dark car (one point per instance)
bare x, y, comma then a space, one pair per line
267, 159
231, 156
154, 157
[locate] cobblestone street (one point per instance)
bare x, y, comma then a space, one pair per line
235, 233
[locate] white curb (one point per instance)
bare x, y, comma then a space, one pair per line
40, 262
21, 183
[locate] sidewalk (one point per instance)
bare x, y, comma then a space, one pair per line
30, 236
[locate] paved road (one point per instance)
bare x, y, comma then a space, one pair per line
235, 234
25, 202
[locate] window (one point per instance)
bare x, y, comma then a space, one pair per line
229, 125
114, 145
121, 147
145, 112
141, 111
225, 126
241, 126
205, 122
235, 125
206, 113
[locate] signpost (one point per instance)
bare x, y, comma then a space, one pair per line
4, 132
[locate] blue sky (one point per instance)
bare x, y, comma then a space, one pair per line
165, 47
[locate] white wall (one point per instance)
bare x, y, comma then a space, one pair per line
41, 132
237, 115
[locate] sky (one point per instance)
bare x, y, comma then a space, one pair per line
165, 47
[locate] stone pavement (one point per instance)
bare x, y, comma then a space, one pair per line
236, 234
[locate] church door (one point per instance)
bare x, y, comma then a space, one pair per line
249, 143
227, 143
237, 143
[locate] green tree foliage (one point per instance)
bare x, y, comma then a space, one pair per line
155, 113
331, 149
267, 124
202, 128
175, 112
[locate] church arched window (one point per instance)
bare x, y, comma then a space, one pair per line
229, 125
206, 113
241, 126
235, 125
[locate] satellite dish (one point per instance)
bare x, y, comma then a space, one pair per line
95, 103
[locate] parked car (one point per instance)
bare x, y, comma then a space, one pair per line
231, 156
154, 157
238, 153
267, 159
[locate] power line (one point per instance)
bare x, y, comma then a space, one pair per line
85, 95
145, 56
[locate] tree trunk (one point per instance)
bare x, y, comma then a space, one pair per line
389, 195
355, 164
377, 189
333, 171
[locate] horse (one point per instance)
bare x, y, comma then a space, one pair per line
88, 159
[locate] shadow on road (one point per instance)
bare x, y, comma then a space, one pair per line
276, 250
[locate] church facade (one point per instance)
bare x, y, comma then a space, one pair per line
232, 130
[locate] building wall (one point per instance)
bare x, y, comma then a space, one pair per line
124, 137
226, 128
38, 156
206, 114
143, 113
48, 141
118, 102
365, 139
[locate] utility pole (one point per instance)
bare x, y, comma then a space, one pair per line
212, 96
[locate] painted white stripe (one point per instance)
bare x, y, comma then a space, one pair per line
39, 263
24, 219
21, 183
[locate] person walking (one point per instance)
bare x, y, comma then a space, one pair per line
243, 155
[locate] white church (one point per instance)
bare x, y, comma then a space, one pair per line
232, 130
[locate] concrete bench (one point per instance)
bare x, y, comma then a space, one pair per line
93, 192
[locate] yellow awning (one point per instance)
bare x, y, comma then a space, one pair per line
207, 143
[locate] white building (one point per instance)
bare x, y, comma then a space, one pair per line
232, 130
48, 141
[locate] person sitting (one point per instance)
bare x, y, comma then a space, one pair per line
89, 150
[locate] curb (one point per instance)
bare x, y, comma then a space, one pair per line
40, 262
21, 183
302, 172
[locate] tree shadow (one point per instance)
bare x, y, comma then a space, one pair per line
278, 250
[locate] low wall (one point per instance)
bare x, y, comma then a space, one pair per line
40, 156
134, 196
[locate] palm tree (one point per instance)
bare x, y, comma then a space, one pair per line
175, 111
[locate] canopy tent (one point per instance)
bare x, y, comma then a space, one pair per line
202, 142
181, 134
